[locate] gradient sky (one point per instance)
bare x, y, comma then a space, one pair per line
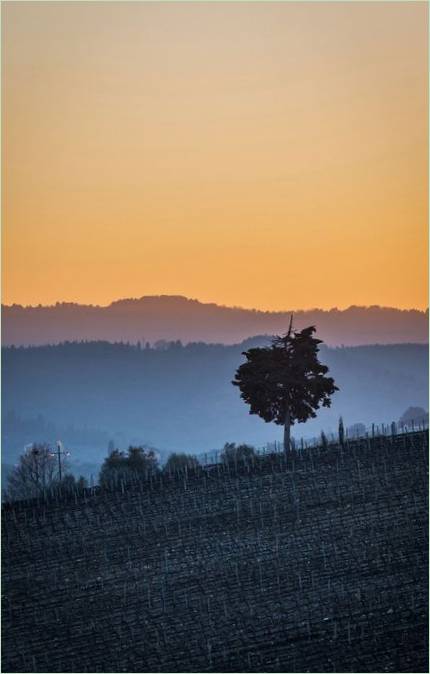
262, 155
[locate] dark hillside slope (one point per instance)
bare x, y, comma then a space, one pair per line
316, 564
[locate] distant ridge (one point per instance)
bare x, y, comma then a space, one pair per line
172, 317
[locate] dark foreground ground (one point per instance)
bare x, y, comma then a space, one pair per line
314, 564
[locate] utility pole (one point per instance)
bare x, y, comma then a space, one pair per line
59, 453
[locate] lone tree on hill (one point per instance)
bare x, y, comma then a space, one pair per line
285, 382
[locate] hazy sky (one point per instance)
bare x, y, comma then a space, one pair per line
262, 155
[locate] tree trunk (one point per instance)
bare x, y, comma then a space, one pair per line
287, 430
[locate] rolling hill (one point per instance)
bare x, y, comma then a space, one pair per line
317, 562
174, 317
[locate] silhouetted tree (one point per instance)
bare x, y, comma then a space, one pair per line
81, 482
120, 468
285, 382
324, 443
35, 474
142, 462
237, 454
179, 463
415, 416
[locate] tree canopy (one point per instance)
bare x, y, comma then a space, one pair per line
123, 468
233, 453
37, 473
285, 382
417, 415
180, 463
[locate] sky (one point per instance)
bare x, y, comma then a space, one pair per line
269, 156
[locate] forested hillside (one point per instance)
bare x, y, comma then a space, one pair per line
176, 397
175, 317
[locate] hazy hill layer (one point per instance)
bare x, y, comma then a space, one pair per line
181, 398
175, 317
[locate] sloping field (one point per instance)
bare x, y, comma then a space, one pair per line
316, 563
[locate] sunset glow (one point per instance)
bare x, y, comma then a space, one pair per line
262, 155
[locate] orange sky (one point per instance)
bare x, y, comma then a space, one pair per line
261, 155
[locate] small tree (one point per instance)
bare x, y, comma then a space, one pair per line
113, 468
35, 474
120, 468
237, 454
285, 382
179, 463
414, 416
141, 462
324, 442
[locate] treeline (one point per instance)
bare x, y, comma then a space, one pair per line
92, 346
41, 472
138, 463
89, 393
104, 346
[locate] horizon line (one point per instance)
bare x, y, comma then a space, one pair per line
185, 344
210, 303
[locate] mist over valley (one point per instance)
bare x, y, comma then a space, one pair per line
180, 398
